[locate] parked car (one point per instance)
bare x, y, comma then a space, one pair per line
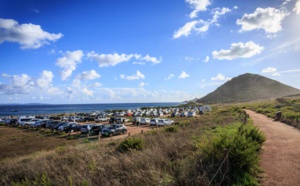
114, 129
12, 122
86, 128
24, 119
145, 121
122, 120
29, 122
136, 120
55, 127
51, 123
101, 119
153, 122
96, 129
71, 127
112, 120
161, 122
61, 127
183, 114
192, 114
39, 123
174, 114
169, 122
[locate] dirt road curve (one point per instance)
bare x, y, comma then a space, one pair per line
281, 151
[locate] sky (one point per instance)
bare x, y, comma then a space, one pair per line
135, 51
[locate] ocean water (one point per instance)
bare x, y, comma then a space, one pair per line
47, 109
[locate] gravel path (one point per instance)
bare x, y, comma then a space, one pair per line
281, 152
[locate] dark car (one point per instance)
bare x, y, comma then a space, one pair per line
73, 127
55, 127
13, 122
112, 120
96, 129
114, 129
51, 123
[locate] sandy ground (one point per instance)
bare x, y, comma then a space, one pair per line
280, 159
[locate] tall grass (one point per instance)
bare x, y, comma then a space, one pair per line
189, 156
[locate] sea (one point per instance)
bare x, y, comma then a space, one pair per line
48, 109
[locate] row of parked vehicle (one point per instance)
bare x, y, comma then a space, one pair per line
67, 126
152, 122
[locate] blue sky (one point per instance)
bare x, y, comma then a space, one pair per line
117, 51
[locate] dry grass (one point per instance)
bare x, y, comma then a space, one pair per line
169, 158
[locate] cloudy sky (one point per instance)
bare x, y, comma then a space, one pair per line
117, 51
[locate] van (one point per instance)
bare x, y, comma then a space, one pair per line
23, 119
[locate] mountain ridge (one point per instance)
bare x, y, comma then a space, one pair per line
248, 87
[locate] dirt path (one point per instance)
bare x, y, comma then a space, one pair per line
281, 151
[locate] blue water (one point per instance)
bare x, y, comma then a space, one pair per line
18, 110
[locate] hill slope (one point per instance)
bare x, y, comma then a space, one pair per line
248, 87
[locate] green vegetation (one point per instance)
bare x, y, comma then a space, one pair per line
131, 144
189, 153
289, 107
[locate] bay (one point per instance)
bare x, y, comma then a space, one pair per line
47, 109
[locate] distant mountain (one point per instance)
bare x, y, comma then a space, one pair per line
248, 87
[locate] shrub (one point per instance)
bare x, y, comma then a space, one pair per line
171, 129
244, 143
131, 144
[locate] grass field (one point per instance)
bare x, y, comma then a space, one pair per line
188, 153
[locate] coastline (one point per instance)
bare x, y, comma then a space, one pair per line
68, 109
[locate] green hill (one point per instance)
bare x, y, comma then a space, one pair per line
248, 87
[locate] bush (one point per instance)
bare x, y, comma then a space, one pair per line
131, 144
244, 143
171, 129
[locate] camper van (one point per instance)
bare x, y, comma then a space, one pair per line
25, 119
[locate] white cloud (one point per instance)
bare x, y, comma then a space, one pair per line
238, 50
206, 59
185, 30
45, 79
97, 84
275, 72
136, 76
183, 75
170, 76
149, 59
76, 83
201, 26
69, 62
268, 19
197, 6
297, 7
105, 60
139, 63
109, 59
87, 92
235, 7
142, 84
269, 70
220, 77
217, 12
20, 84
89, 75
27, 35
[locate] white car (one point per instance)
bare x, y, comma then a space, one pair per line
169, 122
145, 121
161, 122
153, 122
86, 128
101, 119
